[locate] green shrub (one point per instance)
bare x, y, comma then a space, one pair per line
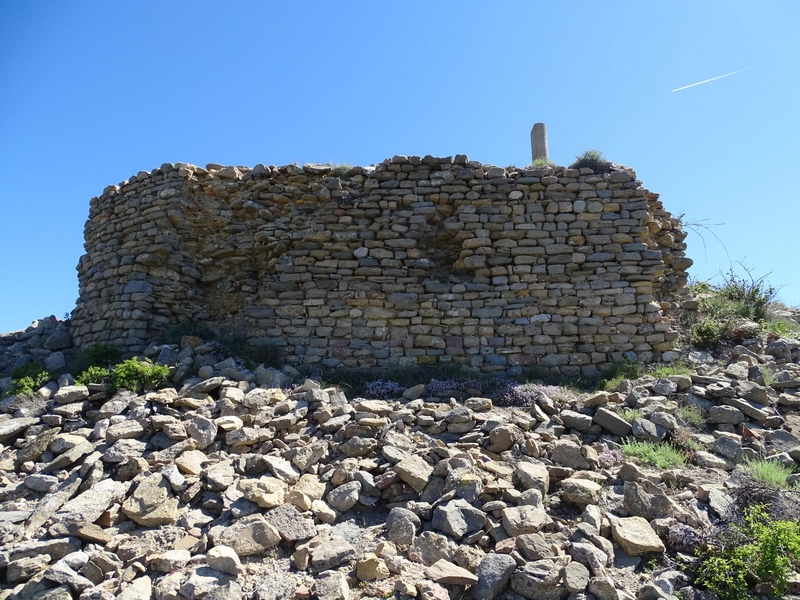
96, 355
725, 309
134, 375
27, 379
341, 169
706, 333
662, 455
25, 387
630, 414
770, 472
92, 375
783, 327
174, 334
228, 345
238, 346
616, 373
533, 373
752, 296
592, 159
31, 369
664, 371
542, 162
693, 416
683, 441
761, 550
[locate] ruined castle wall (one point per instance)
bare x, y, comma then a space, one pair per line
415, 261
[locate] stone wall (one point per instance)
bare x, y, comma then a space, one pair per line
418, 260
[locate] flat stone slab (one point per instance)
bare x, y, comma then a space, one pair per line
518, 520
71, 393
87, 507
251, 535
636, 536
331, 554
612, 422
11, 428
14, 516
446, 573
33, 449
415, 472
291, 525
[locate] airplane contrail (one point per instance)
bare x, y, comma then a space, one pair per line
712, 79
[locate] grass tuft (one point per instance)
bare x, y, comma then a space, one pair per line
616, 373
693, 416
662, 455
630, 414
773, 473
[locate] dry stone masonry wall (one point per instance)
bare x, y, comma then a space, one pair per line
413, 261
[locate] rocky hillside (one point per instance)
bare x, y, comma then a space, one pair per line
229, 483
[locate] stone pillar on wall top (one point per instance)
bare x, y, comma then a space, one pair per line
539, 142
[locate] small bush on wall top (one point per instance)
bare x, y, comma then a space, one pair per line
592, 159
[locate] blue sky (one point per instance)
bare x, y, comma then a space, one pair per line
93, 92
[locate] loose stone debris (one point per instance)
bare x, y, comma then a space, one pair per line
262, 485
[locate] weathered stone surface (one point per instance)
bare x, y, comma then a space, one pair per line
428, 547
25, 568
332, 585
228, 591
88, 506
152, 503
533, 476
581, 491
371, 568
267, 492
538, 580
62, 573
291, 525
603, 588
203, 430
576, 577
415, 472
569, 454
332, 553
644, 429
139, 589
494, 572
345, 496
711, 461
33, 449
250, 535
446, 573
123, 450
518, 520
224, 559
636, 536
612, 422
576, 420
126, 430
202, 582
645, 499
457, 518
11, 428
725, 414
728, 448
71, 393
170, 560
